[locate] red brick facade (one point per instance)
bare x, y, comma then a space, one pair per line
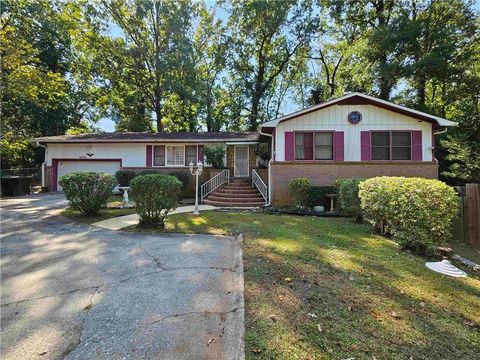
328, 173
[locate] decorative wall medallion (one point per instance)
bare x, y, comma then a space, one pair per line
354, 117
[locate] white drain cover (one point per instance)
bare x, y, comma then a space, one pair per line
446, 268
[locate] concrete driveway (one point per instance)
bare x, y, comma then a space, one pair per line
74, 291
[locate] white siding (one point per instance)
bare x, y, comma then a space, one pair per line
335, 118
132, 154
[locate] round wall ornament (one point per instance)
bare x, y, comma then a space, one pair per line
354, 117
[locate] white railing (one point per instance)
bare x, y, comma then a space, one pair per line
260, 185
215, 182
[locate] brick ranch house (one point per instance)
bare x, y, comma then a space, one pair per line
354, 136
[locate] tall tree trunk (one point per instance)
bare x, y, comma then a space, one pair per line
158, 114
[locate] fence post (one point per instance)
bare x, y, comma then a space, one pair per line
472, 214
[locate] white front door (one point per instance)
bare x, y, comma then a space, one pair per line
241, 160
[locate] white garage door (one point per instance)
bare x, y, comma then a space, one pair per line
68, 166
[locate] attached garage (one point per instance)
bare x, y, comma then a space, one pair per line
63, 167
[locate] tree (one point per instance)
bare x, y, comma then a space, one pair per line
158, 59
264, 38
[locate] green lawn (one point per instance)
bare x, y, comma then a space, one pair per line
327, 288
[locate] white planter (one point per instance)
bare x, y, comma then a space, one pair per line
319, 209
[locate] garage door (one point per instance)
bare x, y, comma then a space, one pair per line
68, 166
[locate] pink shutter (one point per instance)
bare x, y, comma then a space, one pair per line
338, 151
148, 160
289, 146
200, 155
308, 145
417, 145
365, 146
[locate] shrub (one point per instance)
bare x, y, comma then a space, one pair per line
183, 177
215, 156
417, 212
147, 172
125, 176
348, 198
316, 195
298, 189
87, 191
155, 195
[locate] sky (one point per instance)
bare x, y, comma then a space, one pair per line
108, 125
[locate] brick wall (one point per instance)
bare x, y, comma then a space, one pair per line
327, 173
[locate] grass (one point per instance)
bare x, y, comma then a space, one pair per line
319, 288
103, 215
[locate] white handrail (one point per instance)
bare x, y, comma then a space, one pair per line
260, 185
215, 182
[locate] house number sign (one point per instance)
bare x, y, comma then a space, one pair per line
354, 117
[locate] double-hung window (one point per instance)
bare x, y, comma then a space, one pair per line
313, 145
391, 145
159, 155
175, 155
190, 154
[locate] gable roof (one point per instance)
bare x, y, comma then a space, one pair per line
362, 99
183, 137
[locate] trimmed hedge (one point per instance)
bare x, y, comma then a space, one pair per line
147, 172
183, 177
348, 198
215, 156
155, 196
125, 176
299, 189
417, 212
87, 191
316, 195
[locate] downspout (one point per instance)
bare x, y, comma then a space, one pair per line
43, 164
433, 141
269, 170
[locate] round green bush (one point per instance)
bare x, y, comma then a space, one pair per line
124, 177
299, 189
87, 191
155, 196
417, 212
183, 177
215, 156
348, 198
147, 172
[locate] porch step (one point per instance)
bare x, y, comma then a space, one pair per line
237, 193
233, 204
253, 199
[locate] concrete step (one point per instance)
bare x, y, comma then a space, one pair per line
229, 195
235, 199
235, 191
238, 187
230, 204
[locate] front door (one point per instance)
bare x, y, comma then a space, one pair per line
241, 161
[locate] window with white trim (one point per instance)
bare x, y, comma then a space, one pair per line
175, 155
190, 154
159, 155
323, 146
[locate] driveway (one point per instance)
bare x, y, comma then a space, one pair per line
70, 290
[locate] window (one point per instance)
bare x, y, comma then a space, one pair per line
190, 154
391, 145
175, 155
324, 146
299, 150
159, 156
306, 142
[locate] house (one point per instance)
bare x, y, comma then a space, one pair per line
354, 136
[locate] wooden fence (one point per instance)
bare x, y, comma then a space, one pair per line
467, 225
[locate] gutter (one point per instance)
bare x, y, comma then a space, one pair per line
269, 170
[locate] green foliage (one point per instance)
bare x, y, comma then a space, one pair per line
155, 196
215, 156
148, 172
87, 191
316, 195
417, 212
299, 191
124, 177
183, 176
348, 197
